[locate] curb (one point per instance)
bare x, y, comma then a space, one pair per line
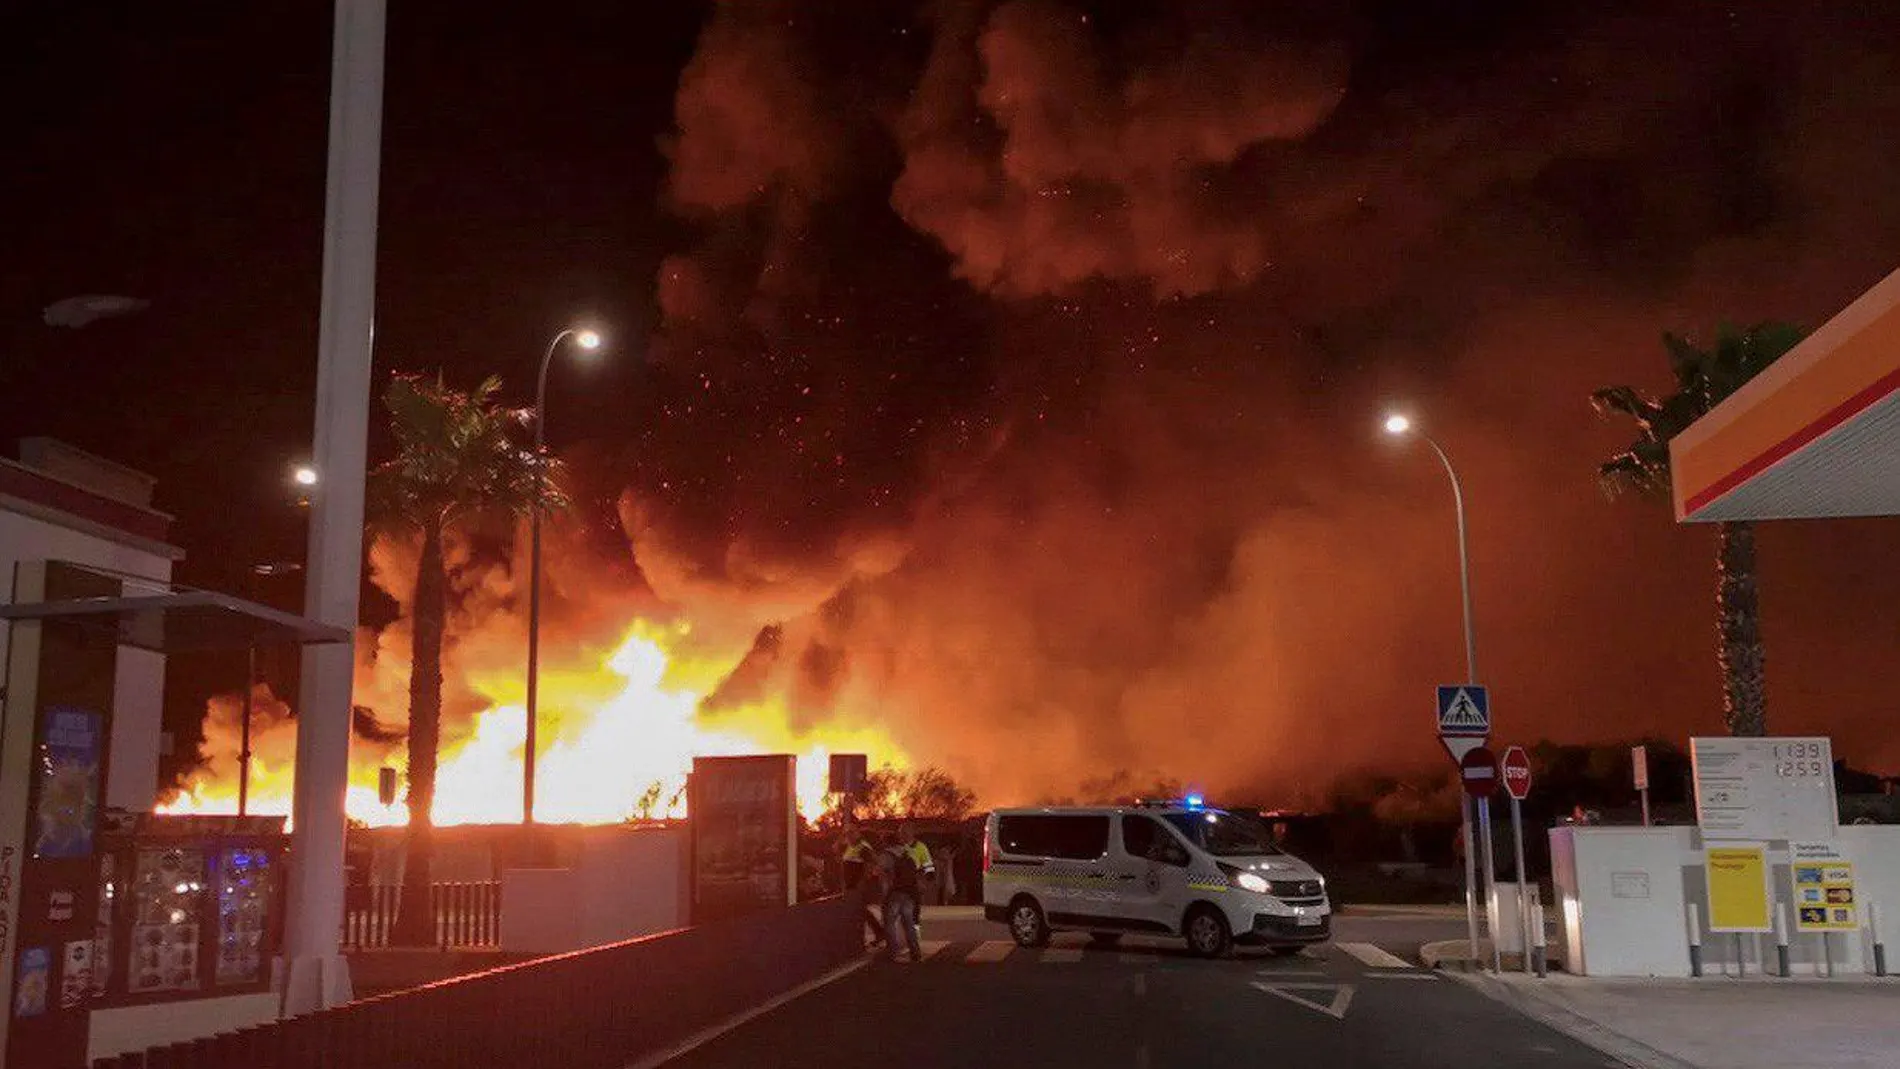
1630, 1052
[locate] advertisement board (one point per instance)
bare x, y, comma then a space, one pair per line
1823, 878
1779, 788
1738, 888
744, 818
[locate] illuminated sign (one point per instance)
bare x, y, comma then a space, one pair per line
1765, 788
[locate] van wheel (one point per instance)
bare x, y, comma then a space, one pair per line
1207, 933
1105, 939
1027, 924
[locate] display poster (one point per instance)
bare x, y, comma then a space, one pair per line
744, 827
1738, 888
1824, 899
66, 782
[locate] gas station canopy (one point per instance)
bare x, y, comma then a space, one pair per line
168, 619
1815, 435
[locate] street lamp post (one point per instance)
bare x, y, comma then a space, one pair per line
1400, 426
589, 341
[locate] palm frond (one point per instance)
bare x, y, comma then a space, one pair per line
457, 454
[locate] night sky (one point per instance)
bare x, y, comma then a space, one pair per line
1022, 360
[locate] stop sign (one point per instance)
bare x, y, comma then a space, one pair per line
1479, 770
1517, 772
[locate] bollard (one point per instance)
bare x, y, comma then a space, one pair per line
1695, 939
1539, 958
1781, 937
1880, 948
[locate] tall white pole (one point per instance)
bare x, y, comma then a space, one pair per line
1471, 677
534, 580
317, 975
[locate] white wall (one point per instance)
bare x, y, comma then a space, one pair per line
1609, 930
139, 695
135, 1028
625, 883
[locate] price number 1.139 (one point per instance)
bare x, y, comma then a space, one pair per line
1799, 760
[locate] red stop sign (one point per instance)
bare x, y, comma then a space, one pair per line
1517, 772
1479, 770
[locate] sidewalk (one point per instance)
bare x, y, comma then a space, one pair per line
1715, 1022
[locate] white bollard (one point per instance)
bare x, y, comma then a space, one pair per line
1539, 953
1880, 948
1694, 913
1781, 937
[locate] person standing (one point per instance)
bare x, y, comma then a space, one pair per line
855, 858
903, 891
919, 855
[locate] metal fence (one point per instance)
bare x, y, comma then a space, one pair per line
592, 1009
466, 915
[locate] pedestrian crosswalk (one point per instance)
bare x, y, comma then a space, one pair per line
1379, 961
1373, 957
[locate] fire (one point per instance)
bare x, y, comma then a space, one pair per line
616, 742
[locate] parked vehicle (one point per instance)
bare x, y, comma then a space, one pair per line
1211, 877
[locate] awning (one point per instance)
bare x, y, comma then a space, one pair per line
180, 620
1815, 435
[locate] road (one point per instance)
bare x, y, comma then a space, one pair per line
977, 1000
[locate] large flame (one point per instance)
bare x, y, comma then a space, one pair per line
616, 742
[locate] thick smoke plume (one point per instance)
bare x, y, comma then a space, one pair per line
1042, 356
1020, 368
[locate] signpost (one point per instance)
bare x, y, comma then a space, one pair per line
1479, 770
1464, 723
1517, 781
1774, 788
1639, 773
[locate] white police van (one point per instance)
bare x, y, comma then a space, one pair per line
1212, 877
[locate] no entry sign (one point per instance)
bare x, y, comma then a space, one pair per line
1479, 770
1517, 772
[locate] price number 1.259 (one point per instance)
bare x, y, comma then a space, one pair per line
1800, 760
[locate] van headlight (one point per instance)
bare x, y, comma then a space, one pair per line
1250, 881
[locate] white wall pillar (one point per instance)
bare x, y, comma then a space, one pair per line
317, 975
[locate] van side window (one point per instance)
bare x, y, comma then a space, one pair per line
1081, 837
1138, 836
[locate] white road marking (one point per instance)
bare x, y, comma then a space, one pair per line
705, 1036
1400, 976
932, 947
990, 950
1061, 955
1339, 996
1374, 957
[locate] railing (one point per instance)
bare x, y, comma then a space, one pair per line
599, 1008
466, 915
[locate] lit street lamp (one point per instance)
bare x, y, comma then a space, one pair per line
587, 341
1400, 426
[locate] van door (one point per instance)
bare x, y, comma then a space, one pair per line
1152, 875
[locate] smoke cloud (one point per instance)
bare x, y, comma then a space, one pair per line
1188, 257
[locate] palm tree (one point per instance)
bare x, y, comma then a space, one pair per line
456, 459
1704, 378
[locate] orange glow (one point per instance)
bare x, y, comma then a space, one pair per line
609, 733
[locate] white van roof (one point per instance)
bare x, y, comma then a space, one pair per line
1099, 810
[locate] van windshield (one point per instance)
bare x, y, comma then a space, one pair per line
1225, 834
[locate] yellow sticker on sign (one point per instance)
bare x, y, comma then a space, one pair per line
1824, 899
1738, 888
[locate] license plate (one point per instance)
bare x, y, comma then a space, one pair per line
1307, 920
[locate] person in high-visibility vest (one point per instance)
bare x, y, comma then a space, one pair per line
856, 857
919, 854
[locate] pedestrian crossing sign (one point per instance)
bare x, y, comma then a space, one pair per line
1464, 709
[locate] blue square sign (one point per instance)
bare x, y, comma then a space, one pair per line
1464, 709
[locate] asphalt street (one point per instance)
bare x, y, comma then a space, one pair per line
1360, 1002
